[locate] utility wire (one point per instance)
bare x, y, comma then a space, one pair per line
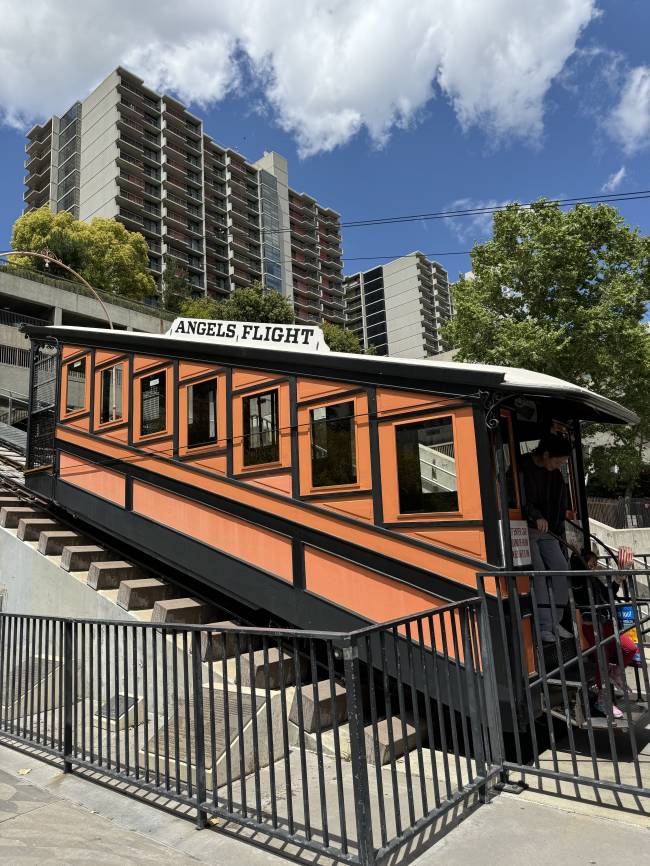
479, 211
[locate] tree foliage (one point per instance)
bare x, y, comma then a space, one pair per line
256, 304
176, 288
563, 293
340, 339
102, 251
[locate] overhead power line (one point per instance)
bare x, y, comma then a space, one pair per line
481, 211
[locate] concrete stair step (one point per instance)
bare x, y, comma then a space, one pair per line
30, 528
110, 573
52, 542
401, 743
143, 593
182, 611
328, 706
7, 501
215, 646
10, 515
79, 557
281, 667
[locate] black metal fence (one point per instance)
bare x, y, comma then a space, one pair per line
575, 693
621, 513
344, 744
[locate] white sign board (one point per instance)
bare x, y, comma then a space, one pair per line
520, 543
301, 338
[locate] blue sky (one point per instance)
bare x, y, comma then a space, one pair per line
459, 133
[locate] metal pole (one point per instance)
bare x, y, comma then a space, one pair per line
68, 664
56, 261
358, 754
199, 733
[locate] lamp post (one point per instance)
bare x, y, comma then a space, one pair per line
48, 257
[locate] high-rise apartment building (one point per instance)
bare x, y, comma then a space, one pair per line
129, 153
400, 307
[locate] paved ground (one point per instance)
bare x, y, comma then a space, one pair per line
48, 818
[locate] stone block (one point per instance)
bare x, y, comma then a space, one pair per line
52, 542
79, 557
328, 707
30, 528
110, 573
142, 594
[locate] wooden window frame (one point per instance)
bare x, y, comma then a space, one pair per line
467, 487
64, 415
361, 445
220, 442
167, 371
284, 429
98, 424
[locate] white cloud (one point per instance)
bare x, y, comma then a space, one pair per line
327, 70
629, 122
614, 180
477, 227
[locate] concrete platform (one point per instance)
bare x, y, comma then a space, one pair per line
46, 817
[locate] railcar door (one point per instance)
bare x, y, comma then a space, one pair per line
42, 406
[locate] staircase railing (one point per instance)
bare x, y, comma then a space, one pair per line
346, 744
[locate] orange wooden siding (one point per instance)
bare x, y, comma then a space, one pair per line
93, 479
260, 547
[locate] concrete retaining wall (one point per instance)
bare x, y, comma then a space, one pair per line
31, 583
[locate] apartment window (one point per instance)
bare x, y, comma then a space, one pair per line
201, 413
75, 397
333, 452
261, 441
426, 467
153, 403
111, 394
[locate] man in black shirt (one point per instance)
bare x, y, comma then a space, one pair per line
545, 505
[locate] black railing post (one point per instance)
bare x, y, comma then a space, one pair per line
495, 729
68, 669
358, 758
199, 735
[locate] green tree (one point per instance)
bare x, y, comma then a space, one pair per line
176, 289
341, 340
256, 304
103, 251
563, 293
200, 308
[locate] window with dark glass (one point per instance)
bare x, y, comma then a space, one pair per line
153, 403
111, 394
261, 442
426, 467
75, 397
201, 413
333, 452
511, 488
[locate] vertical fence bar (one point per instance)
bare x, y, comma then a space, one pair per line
199, 733
358, 759
68, 673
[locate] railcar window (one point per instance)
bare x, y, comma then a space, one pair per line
201, 413
261, 442
153, 403
511, 484
76, 386
426, 467
111, 394
333, 452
